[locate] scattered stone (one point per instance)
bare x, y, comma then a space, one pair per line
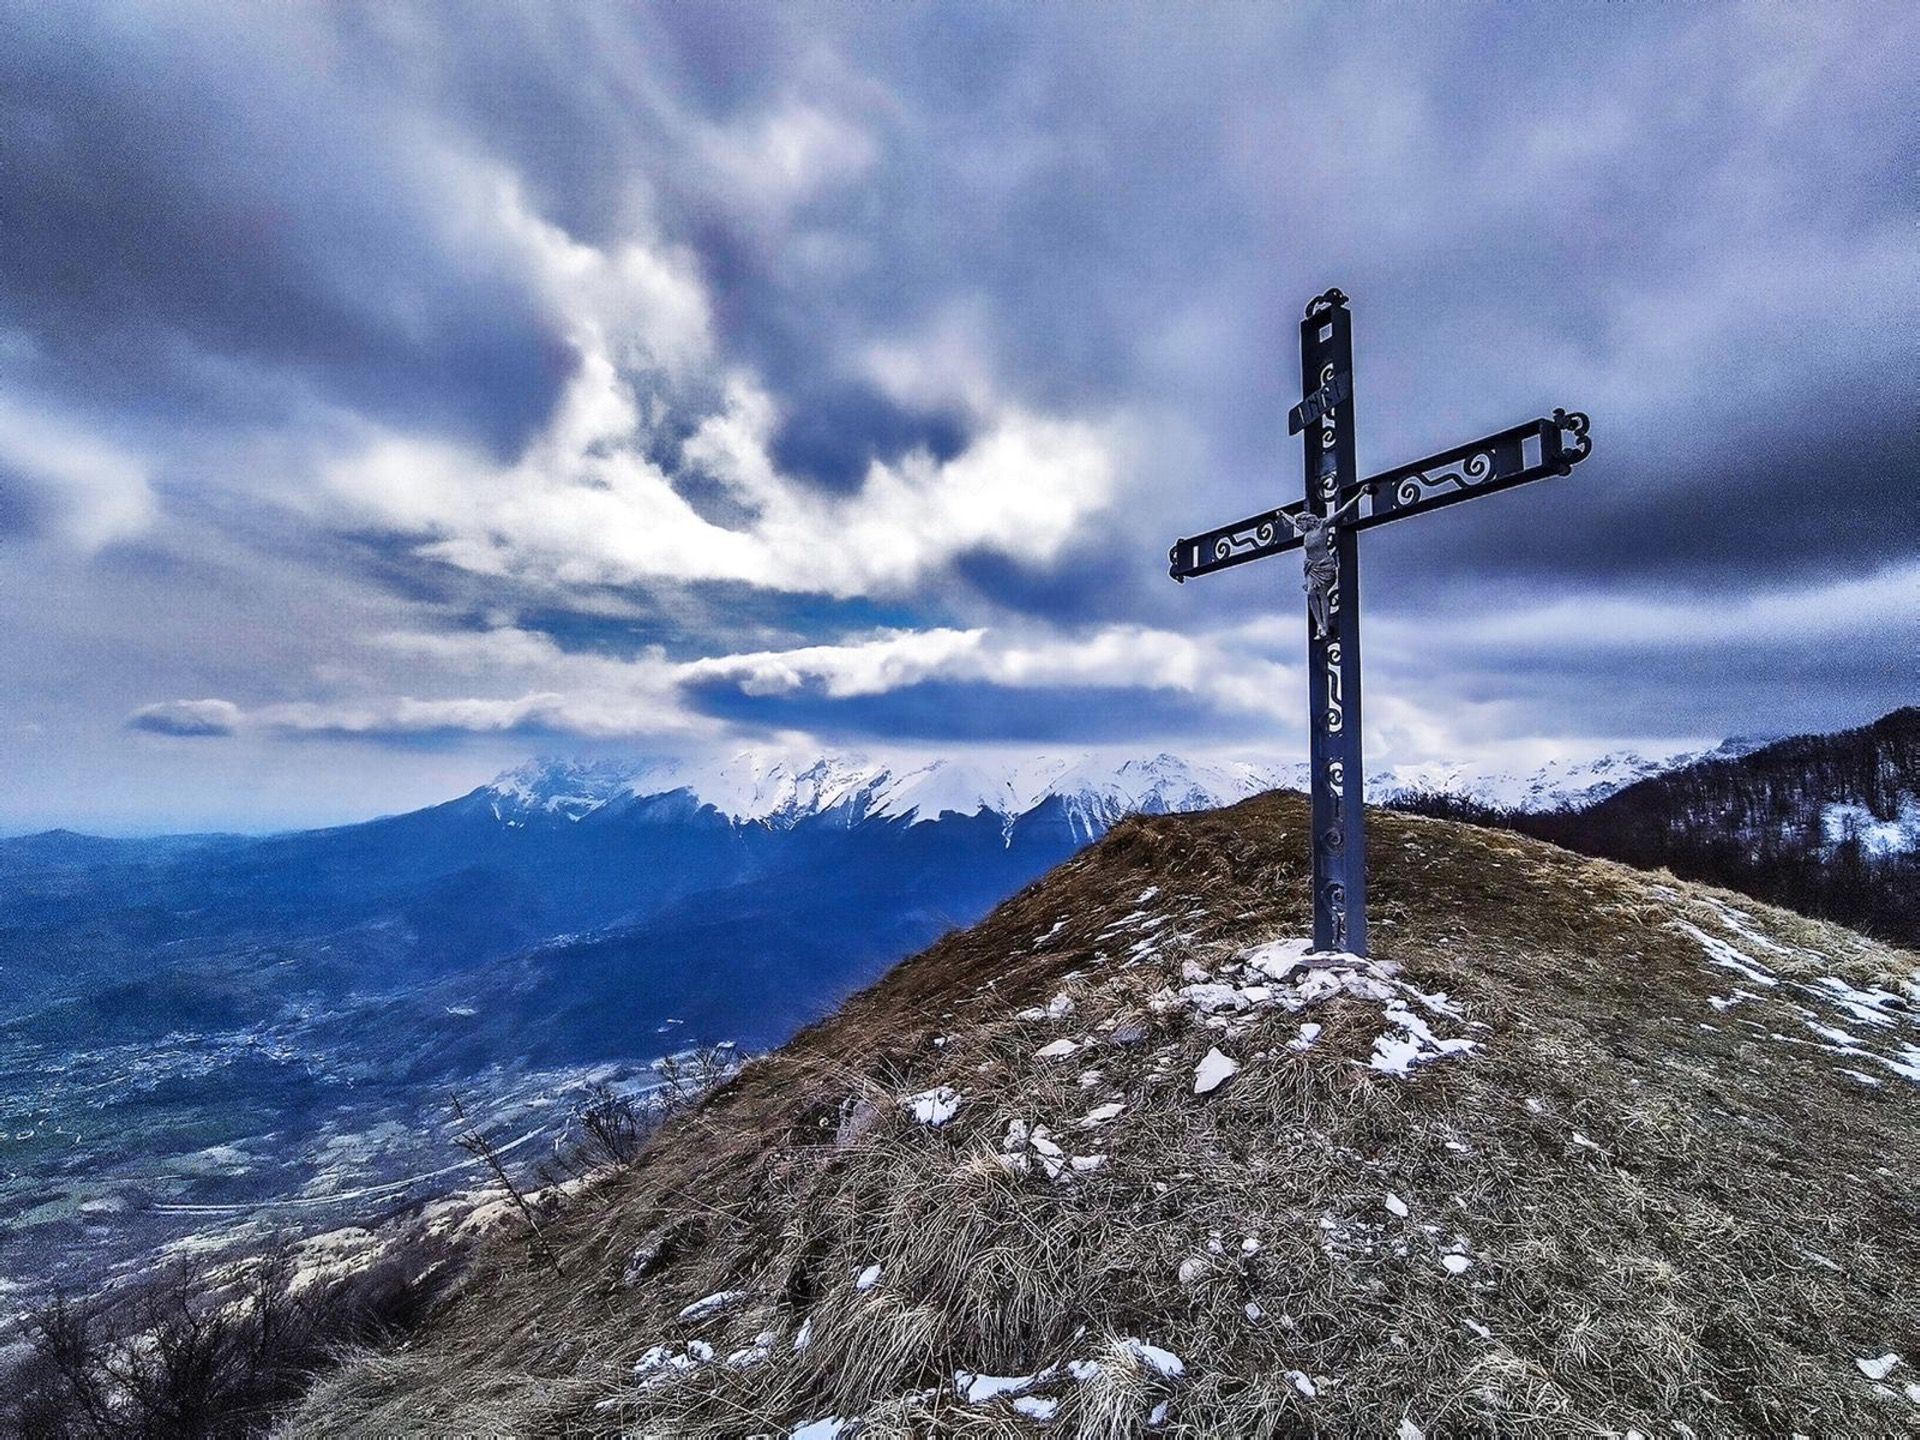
857, 1117
1212, 1072
1880, 1366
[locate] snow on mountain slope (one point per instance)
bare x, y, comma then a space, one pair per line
779, 789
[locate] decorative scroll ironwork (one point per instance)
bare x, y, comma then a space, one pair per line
1333, 897
1269, 533
1512, 457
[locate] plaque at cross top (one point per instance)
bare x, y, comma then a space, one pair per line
1324, 524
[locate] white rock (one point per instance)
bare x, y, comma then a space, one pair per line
1213, 1071
1278, 960
1213, 999
1880, 1366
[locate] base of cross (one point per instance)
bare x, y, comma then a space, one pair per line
1326, 525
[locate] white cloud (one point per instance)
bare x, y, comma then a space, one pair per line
97, 492
1887, 602
586, 507
644, 696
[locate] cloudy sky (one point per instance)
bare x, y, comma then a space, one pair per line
389, 393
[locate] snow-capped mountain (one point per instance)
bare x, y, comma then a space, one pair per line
778, 790
1094, 789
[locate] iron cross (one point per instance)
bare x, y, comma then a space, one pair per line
1336, 508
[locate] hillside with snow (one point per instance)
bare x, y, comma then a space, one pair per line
1578, 1151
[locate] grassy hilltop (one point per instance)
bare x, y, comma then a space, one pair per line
1583, 1149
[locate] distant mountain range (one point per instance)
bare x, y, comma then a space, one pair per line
231, 1022
1091, 791
1825, 824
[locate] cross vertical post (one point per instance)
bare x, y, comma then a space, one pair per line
1339, 842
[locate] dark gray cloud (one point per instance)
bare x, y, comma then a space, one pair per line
236, 243
194, 226
187, 718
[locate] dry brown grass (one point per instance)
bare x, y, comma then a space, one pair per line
1668, 1223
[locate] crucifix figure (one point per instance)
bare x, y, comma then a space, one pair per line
1338, 505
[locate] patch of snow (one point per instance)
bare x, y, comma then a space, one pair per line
1840, 822
1036, 1407
1456, 1264
1396, 1054
1302, 1382
713, 1304
1059, 1049
869, 1277
1720, 953
833, 1427
979, 1389
1163, 1362
1396, 1205
935, 1107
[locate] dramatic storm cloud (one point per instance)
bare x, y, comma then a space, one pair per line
391, 391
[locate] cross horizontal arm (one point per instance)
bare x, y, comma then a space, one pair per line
1532, 451
1268, 533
